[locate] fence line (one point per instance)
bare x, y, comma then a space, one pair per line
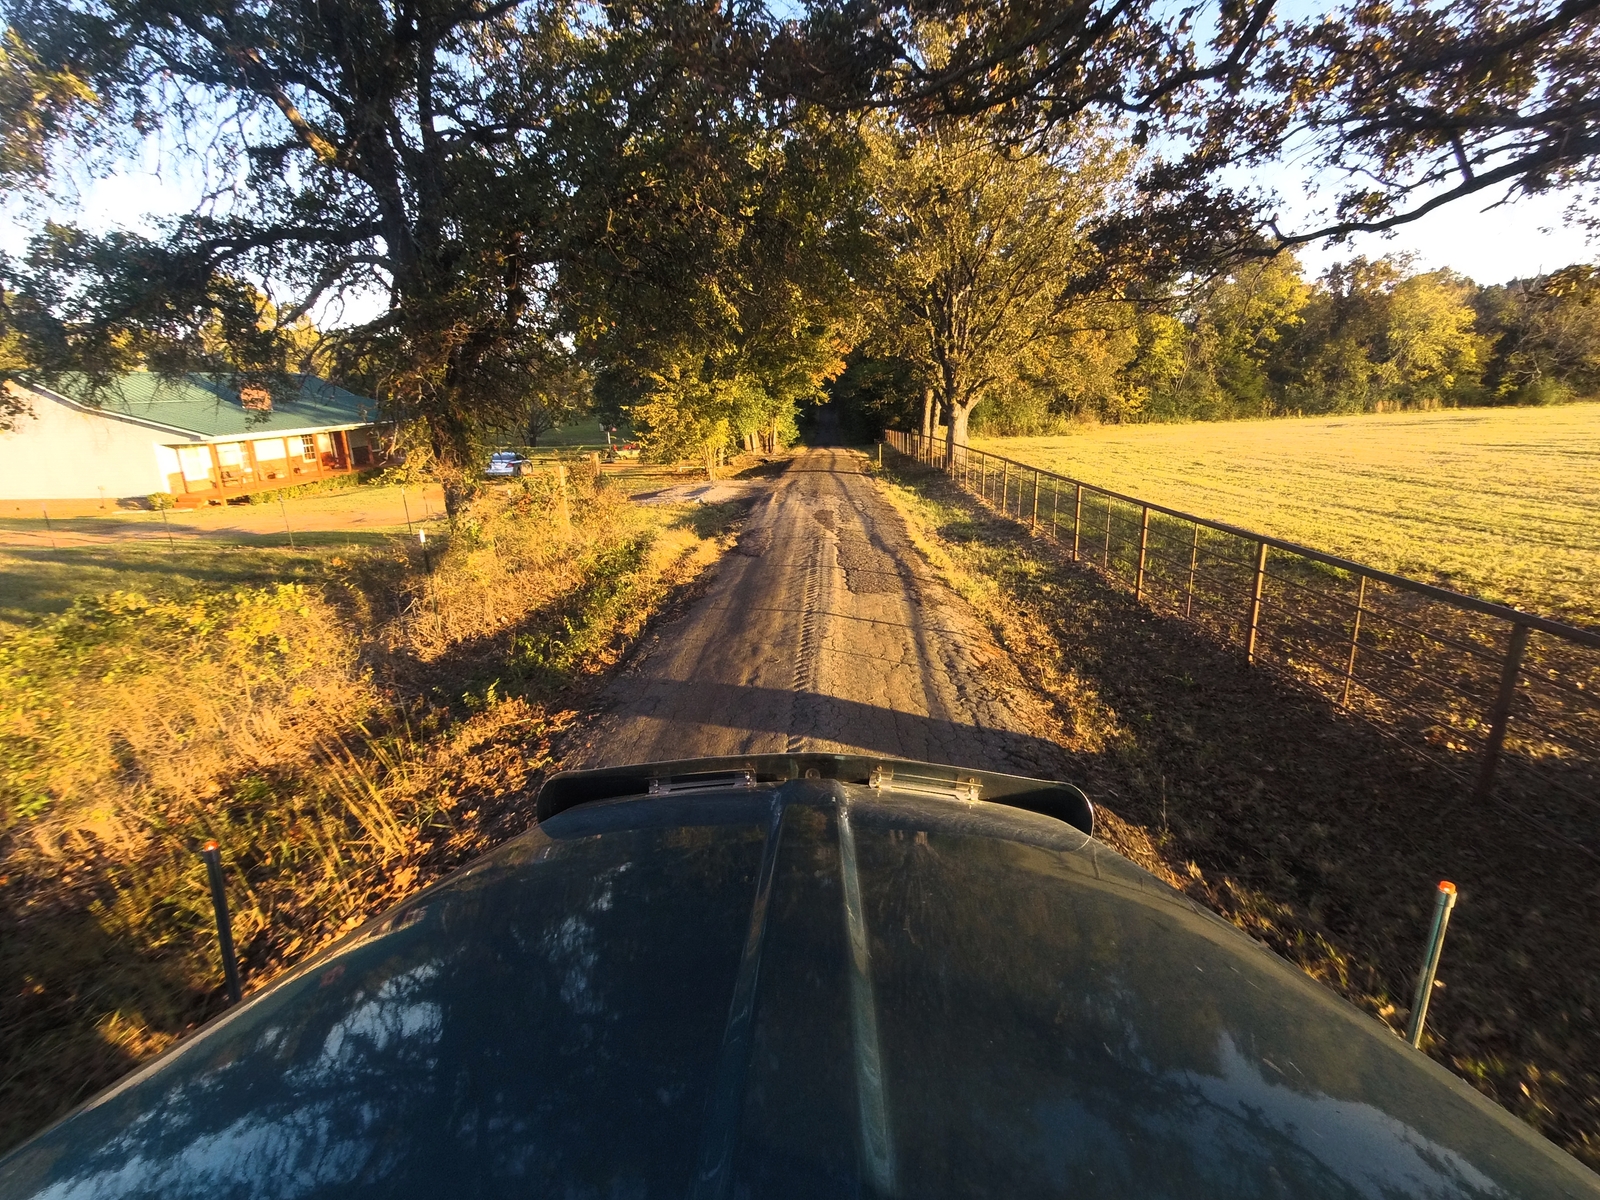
1507, 701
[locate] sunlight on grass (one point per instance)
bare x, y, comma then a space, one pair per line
350, 722
1501, 503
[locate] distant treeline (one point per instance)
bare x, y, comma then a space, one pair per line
1367, 336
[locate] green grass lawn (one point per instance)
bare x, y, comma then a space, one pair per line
1501, 503
38, 581
580, 435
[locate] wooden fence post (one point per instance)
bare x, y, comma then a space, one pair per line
1194, 559
1355, 639
1077, 522
1033, 521
1255, 600
1500, 714
1144, 542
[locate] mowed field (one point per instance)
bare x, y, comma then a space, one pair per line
1501, 503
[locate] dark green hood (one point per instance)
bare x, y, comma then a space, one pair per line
754, 983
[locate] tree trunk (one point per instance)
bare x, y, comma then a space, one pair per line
458, 490
927, 412
958, 433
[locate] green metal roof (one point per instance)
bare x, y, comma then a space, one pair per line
209, 406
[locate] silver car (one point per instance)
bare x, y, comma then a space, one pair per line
504, 464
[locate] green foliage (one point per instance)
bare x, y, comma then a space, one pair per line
40, 106
1368, 336
54, 747
873, 394
1375, 338
1544, 337
319, 487
719, 229
981, 241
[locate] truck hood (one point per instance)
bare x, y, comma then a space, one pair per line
795, 976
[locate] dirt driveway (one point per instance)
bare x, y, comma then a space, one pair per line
824, 631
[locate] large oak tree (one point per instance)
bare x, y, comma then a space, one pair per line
983, 243
389, 156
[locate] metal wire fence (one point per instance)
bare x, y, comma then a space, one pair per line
1506, 701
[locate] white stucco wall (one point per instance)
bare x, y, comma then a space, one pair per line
63, 452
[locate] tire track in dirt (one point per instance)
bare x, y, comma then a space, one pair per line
825, 631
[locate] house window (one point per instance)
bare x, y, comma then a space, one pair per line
308, 448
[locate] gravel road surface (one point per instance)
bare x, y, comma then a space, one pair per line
825, 631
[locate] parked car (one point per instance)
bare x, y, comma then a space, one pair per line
504, 464
796, 976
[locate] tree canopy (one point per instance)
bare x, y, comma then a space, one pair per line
702, 208
1411, 106
352, 149
981, 241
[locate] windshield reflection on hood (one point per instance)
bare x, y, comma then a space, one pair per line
322, 1139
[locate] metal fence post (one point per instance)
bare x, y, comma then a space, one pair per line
212, 854
1500, 714
1033, 522
1255, 600
1355, 639
1430, 962
1105, 561
1005, 483
1055, 505
1194, 560
1144, 542
1077, 522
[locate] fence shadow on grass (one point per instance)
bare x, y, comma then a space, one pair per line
1314, 829
1506, 701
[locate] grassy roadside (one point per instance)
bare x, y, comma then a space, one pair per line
348, 724
1307, 829
1502, 503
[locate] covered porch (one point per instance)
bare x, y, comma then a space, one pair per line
209, 472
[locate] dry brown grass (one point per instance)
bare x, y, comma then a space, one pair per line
345, 743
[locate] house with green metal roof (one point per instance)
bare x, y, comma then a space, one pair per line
198, 438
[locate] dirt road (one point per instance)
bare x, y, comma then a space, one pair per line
825, 631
